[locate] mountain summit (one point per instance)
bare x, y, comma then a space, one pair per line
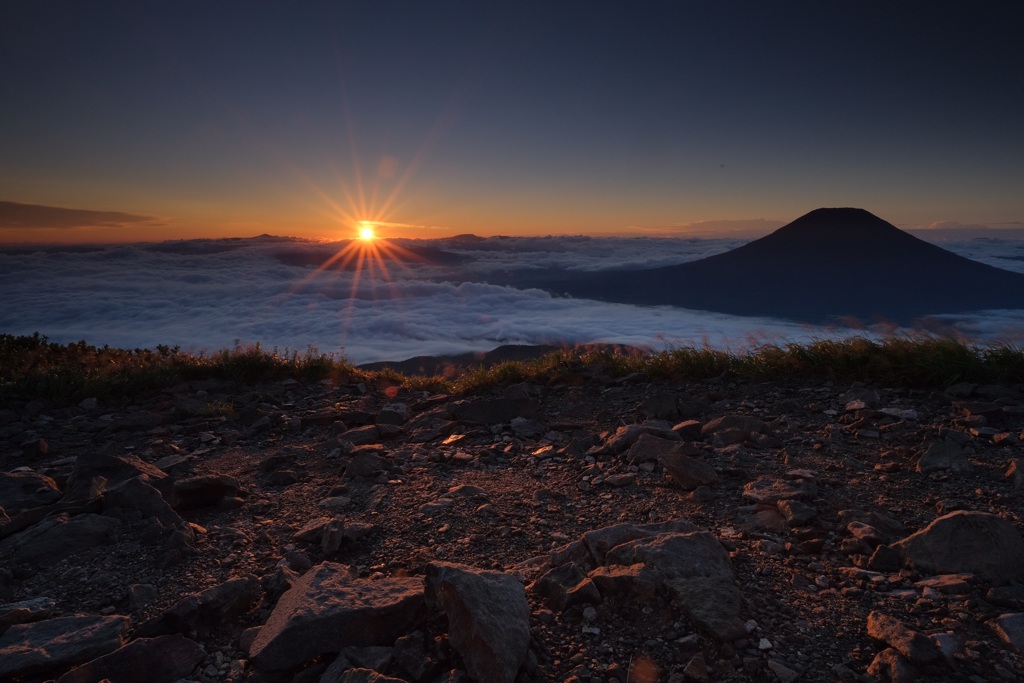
826, 265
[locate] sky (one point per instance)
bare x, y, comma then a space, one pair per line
207, 295
129, 121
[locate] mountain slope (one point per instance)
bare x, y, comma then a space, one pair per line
827, 264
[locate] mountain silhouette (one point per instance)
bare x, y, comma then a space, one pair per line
827, 265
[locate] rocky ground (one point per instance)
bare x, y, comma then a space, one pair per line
596, 530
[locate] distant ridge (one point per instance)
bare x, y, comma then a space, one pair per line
326, 255
454, 364
826, 265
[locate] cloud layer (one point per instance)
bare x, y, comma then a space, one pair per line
16, 216
210, 294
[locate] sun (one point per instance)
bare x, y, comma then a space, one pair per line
366, 233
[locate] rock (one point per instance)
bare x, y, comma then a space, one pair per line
409, 657
367, 465
967, 542
689, 473
782, 672
697, 567
889, 528
713, 605
203, 491
889, 665
83, 496
772, 491
26, 611
200, 613
377, 657
332, 536
884, 559
762, 519
744, 424
45, 646
135, 494
697, 669
1010, 628
164, 660
1015, 472
627, 435
600, 541
1009, 597
527, 429
394, 414
915, 646
328, 609
991, 411
363, 676
467, 491
649, 448
944, 455
620, 480
637, 581
57, 537
797, 513
313, 530
948, 584
24, 490
564, 586
114, 469
435, 506
866, 533
140, 595
688, 430
488, 618
362, 436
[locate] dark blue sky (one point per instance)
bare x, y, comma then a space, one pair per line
490, 117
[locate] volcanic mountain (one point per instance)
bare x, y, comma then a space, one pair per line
826, 265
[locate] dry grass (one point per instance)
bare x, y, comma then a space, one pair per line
33, 368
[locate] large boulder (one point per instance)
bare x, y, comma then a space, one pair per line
565, 586
25, 611
944, 455
329, 608
57, 537
488, 618
200, 613
626, 436
976, 543
135, 494
600, 541
650, 448
915, 646
698, 569
175, 658
45, 646
113, 469
24, 490
688, 472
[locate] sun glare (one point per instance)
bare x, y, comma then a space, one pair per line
366, 233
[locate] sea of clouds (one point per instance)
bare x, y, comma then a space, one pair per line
206, 295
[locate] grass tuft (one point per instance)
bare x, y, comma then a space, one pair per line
33, 368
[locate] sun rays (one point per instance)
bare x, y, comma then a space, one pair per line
363, 203
370, 262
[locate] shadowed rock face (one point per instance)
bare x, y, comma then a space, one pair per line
827, 264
